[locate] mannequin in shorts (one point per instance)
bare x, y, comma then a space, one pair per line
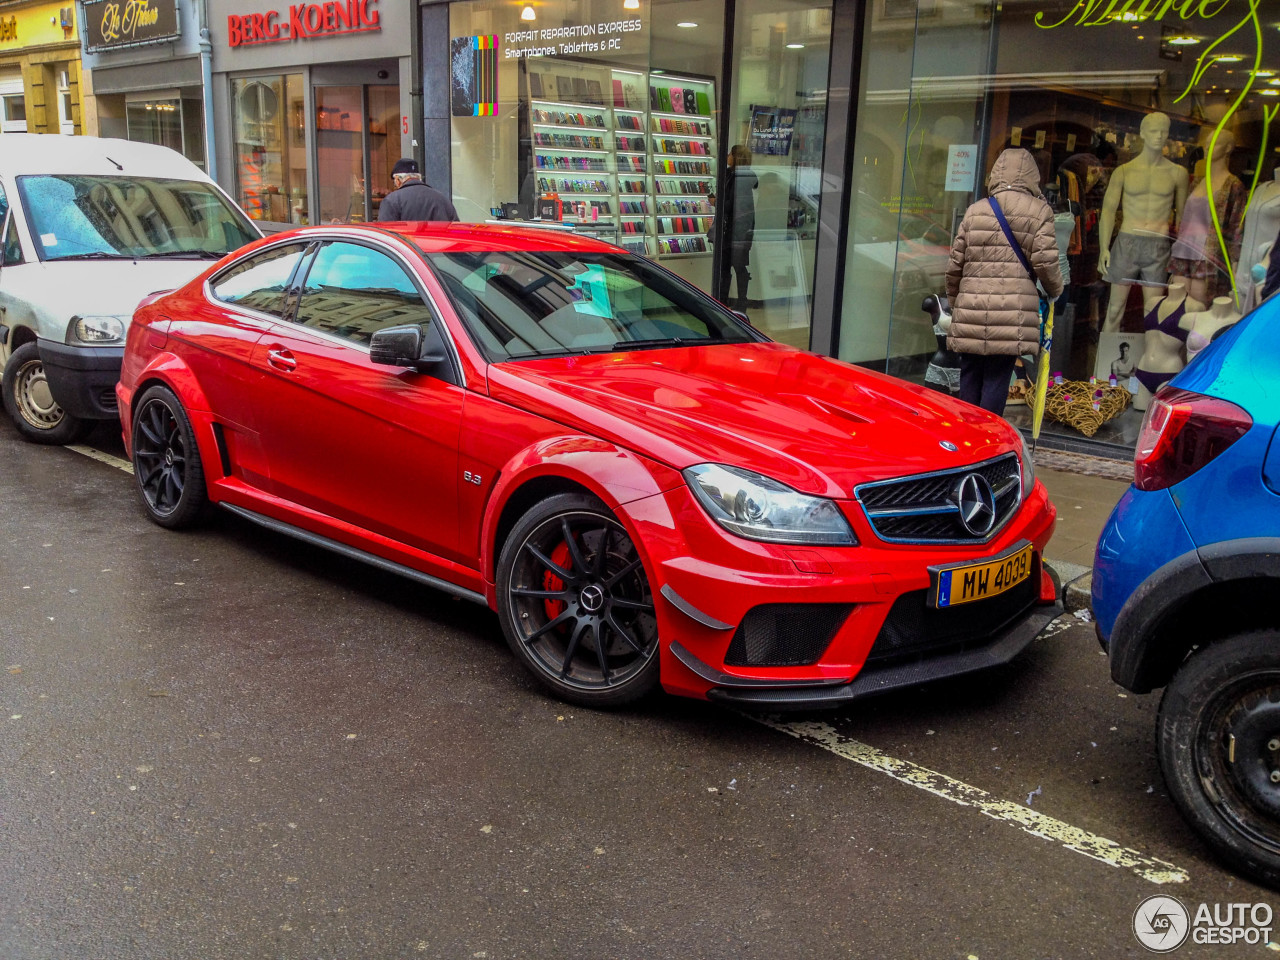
1149, 190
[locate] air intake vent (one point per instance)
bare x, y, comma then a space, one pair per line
785, 634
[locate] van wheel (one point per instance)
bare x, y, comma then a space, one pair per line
1218, 739
30, 404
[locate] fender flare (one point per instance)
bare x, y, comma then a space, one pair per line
169, 369
1142, 653
614, 474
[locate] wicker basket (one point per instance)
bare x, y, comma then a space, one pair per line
1071, 403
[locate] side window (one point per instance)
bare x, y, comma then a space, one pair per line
353, 291
12, 246
259, 283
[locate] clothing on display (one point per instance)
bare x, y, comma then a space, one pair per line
1135, 257
1169, 326
1261, 224
1196, 254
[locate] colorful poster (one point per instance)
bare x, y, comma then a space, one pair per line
474, 80
771, 129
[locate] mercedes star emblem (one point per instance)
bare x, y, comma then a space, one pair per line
977, 503
948, 445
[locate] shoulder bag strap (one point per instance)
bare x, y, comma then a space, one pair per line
1013, 242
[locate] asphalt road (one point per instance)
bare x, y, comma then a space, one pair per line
227, 744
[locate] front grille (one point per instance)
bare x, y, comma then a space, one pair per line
925, 508
785, 634
914, 629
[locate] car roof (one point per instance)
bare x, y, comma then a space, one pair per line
479, 237
49, 153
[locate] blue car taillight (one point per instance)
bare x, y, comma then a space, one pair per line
1181, 432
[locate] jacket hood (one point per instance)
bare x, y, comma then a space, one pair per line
1014, 169
814, 423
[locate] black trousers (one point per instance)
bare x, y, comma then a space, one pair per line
984, 381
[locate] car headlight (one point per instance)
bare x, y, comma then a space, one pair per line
97, 329
758, 508
1028, 470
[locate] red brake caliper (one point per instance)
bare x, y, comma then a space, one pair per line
550, 582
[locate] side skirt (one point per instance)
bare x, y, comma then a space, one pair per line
390, 566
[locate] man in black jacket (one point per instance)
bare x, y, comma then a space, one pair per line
412, 199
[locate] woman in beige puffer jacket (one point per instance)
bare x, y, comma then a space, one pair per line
995, 308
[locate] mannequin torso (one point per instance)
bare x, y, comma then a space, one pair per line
1202, 325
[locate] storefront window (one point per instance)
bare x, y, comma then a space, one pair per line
155, 121
271, 155
1129, 120
773, 184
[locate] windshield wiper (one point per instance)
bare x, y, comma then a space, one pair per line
94, 255
181, 255
666, 342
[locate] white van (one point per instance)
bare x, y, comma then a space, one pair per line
90, 227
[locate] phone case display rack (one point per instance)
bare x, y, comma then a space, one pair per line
634, 149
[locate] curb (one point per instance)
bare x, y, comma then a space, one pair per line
1076, 584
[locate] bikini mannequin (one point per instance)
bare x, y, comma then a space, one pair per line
1162, 342
1202, 326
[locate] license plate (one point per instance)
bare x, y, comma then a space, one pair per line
965, 582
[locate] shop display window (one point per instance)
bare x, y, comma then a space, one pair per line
270, 147
1130, 119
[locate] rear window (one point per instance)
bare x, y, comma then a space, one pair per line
522, 304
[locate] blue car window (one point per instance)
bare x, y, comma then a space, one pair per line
352, 291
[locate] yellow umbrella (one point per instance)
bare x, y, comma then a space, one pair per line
1042, 374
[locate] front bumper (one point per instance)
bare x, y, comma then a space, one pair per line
836, 623
83, 379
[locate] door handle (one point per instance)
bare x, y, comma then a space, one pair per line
282, 359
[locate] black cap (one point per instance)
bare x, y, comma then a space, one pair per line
405, 165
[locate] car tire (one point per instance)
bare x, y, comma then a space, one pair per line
575, 604
1219, 720
31, 406
166, 461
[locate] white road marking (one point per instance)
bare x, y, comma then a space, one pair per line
939, 784
101, 457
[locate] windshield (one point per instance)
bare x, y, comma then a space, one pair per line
129, 218
518, 305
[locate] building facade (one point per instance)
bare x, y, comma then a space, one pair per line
810, 160
40, 76
311, 105
145, 72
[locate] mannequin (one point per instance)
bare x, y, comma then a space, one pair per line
1261, 224
1196, 258
1150, 190
1203, 325
1163, 338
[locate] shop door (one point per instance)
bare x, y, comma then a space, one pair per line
771, 183
357, 143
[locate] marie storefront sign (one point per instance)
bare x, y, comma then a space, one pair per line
122, 23
1096, 13
304, 21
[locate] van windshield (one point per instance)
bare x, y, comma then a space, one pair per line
130, 218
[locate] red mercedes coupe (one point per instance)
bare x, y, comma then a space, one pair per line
646, 489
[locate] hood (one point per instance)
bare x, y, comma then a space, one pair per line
61, 290
1014, 169
814, 423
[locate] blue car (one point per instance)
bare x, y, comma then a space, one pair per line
1182, 589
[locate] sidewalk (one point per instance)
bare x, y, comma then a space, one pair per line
1084, 502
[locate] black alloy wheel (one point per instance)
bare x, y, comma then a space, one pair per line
575, 603
1218, 738
166, 460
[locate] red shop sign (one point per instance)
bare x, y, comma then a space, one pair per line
303, 22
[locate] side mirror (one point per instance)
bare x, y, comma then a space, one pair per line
419, 347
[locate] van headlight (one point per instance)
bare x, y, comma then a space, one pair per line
97, 330
759, 508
